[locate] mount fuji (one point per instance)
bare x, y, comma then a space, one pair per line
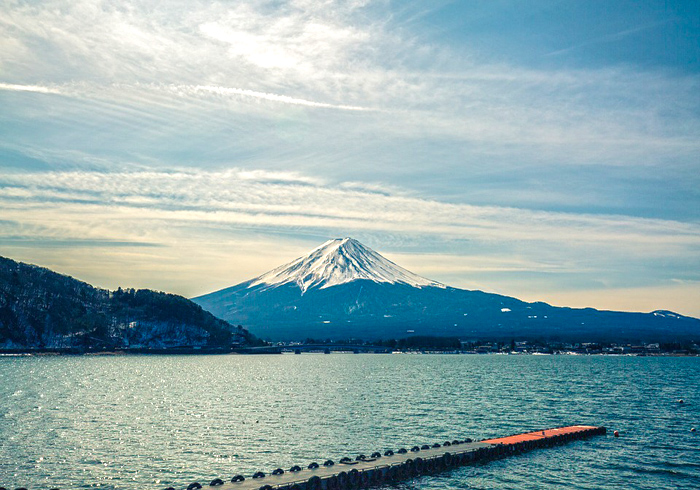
339, 262
344, 289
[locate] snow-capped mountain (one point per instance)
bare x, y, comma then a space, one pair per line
343, 290
340, 261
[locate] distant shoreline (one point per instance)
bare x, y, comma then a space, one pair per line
116, 352
209, 352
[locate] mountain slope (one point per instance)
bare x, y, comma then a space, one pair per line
336, 262
344, 289
41, 309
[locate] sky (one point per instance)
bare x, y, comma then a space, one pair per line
547, 150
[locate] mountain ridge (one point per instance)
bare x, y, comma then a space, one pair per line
290, 303
43, 310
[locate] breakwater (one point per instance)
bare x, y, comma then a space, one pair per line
390, 466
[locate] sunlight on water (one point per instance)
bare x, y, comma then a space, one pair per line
156, 421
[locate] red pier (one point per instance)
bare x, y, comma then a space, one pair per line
391, 466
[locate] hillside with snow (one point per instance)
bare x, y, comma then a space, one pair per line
343, 289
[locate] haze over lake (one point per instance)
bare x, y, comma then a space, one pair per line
155, 421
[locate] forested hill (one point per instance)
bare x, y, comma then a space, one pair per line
41, 309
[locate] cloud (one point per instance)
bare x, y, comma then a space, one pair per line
227, 91
148, 62
28, 88
608, 38
238, 197
205, 218
84, 91
200, 126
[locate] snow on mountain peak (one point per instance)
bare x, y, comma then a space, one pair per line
340, 261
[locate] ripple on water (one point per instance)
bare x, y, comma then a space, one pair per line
156, 421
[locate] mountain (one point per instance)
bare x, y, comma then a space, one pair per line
339, 262
41, 309
343, 289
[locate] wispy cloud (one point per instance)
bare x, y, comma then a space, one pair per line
616, 36
85, 91
268, 199
333, 56
266, 96
180, 211
28, 88
218, 126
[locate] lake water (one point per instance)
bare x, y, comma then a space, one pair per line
156, 421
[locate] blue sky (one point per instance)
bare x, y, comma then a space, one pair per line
548, 150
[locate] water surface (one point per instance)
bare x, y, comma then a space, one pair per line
157, 421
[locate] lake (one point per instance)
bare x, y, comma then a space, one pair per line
124, 422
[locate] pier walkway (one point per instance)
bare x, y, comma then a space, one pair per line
380, 468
